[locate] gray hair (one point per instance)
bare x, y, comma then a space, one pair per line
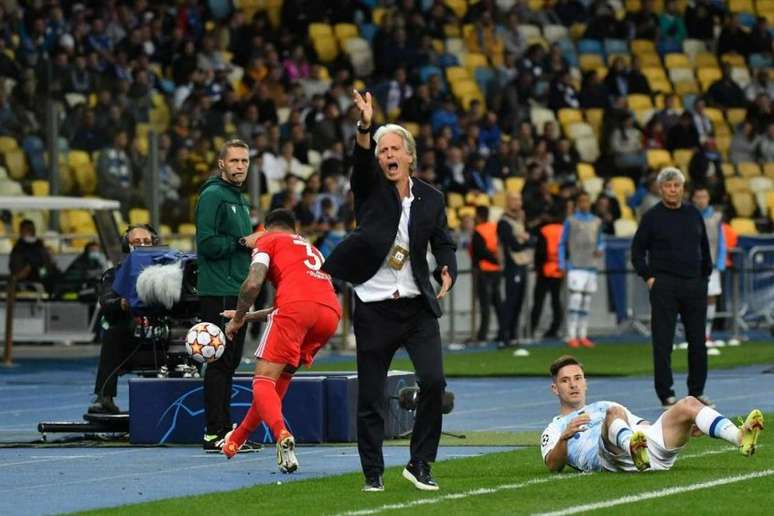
408, 141
670, 174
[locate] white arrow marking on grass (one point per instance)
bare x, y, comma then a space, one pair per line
658, 494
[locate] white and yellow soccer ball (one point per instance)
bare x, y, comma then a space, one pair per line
205, 342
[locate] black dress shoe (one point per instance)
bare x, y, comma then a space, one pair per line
103, 406
373, 484
418, 473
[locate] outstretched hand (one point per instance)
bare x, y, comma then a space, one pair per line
446, 282
365, 104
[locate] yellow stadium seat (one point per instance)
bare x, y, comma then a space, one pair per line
622, 186
577, 130
569, 115
451, 219
658, 158
638, 101
677, 60
764, 5
686, 88
456, 73
736, 184
16, 163
654, 72
85, 177
650, 60
741, 6
186, 228
744, 203
643, 46
660, 85
589, 62
464, 86
514, 184
459, 7
768, 169
345, 31
474, 60
594, 118
728, 169
733, 59
326, 48
498, 199
377, 15
588, 148
7, 144
585, 171
723, 141
736, 116
454, 200
682, 157
612, 57
317, 29
706, 60
139, 216
625, 227
748, 169
744, 226
40, 188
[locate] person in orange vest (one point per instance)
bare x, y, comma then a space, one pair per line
549, 275
486, 267
732, 240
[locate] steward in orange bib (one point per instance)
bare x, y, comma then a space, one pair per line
549, 276
486, 266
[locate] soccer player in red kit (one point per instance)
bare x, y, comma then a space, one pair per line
305, 315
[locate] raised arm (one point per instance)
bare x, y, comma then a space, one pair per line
364, 174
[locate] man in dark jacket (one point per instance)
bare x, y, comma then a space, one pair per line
223, 243
30, 260
116, 324
395, 304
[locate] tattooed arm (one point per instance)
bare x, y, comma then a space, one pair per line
247, 294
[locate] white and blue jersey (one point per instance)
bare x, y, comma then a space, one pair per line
583, 449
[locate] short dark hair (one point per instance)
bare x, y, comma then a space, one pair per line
561, 362
281, 217
482, 212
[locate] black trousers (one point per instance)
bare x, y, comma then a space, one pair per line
488, 291
670, 296
515, 279
380, 329
117, 344
218, 375
554, 286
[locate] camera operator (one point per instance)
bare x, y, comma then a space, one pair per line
116, 323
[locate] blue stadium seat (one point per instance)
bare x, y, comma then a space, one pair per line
688, 101
427, 71
368, 31
485, 78
760, 61
747, 20
446, 60
616, 46
590, 46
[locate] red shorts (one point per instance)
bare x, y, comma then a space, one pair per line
295, 333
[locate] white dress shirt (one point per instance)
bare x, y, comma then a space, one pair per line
388, 283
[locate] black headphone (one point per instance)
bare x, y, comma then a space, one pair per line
155, 239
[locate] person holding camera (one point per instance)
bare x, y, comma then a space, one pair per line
116, 325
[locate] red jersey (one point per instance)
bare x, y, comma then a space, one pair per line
294, 270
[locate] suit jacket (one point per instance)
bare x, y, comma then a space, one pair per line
377, 210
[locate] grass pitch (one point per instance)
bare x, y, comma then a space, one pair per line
710, 477
627, 359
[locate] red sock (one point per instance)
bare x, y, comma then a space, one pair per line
282, 384
268, 405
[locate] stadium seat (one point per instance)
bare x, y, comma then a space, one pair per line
498, 199
529, 31
7, 144
85, 177
459, 7
368, 31
318, 29
748, 169
643, 46
451, 219
733, 59
758, 61
706, 60
454, 200
590, 46
612, 57
681, 75
682, 157
638, 101
569, 115
763, 188
736, 184
344, 31
739, 6
616, 46
40, 188
514, 184
474, 60
728, 169
650, 59
585, 171
624, 227
588, 62
577, 130
736, 116
588, 148
456, 73
593, 186
658, 158
691, 47
744, 203
768, 169
539, 116
744, 226
723, 142
16, 163
687, 87
555, 33
594, 118
326, 48
676, 60
741, 76
428, 71
643, 116
622, 186
139, 216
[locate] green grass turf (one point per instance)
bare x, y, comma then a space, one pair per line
513, 482
604, 360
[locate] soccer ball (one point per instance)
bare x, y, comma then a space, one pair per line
205, 342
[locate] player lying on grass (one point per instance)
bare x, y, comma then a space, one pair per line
606, 436
306, 314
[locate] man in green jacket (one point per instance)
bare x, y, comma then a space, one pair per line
224, 243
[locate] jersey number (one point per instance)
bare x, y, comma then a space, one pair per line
314, 260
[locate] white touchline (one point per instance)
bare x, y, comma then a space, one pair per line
464, 494
658, 494
488, 490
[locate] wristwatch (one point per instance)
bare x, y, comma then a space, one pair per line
242, 242
361, 129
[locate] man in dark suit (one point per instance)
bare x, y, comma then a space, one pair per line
386, 260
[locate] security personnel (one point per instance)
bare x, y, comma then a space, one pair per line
549, 276
486, 266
